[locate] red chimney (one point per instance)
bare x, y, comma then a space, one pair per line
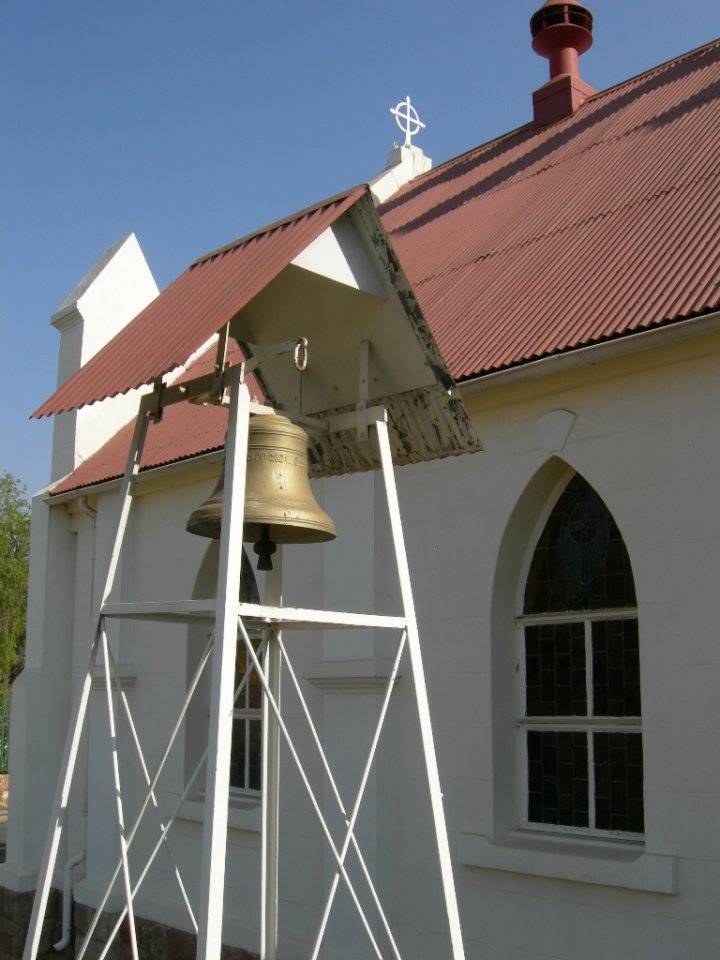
561, 32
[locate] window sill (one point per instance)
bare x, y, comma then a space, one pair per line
244, 813
568, 858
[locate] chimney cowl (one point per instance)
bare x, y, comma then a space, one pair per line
561, 32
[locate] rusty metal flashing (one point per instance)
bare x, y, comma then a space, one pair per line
426, 423
371, 226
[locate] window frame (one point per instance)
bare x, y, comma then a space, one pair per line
249, 716
198, 634
587, 724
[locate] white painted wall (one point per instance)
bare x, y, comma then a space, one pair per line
114, 291
62, 567
644, 434
41, 694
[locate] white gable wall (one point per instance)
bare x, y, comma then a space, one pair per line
104, 302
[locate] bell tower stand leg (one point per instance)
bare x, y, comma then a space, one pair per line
212, 866
421, 696
271, 775
77, 719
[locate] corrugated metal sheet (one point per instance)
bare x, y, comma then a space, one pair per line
196, 305
601, 225
185, 431
543, 241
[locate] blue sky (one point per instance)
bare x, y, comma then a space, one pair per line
191, 124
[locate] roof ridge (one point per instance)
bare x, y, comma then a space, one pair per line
414, 185
356, 191
442, 169
658, 68
567, 157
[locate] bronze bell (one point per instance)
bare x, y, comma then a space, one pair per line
279, 504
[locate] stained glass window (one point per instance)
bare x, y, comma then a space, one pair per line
557, 777
580, 561
581, 721
555, 670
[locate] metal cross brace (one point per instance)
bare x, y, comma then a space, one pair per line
77, 718
173, 816
306, 783
150, 796
118, 793
350, 838
150, 786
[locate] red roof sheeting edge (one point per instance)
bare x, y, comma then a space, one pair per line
194, 307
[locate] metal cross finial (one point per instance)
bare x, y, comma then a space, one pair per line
412, 123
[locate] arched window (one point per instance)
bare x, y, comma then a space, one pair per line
246, 750
581, 712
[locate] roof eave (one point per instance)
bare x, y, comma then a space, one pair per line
592, 354
112, 484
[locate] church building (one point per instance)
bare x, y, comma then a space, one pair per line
540, 319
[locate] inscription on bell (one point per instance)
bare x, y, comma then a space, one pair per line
266, 456
279, 504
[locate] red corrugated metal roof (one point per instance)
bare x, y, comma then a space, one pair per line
546, 240
186, 430
196, 305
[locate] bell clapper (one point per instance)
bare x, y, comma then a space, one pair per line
265, 549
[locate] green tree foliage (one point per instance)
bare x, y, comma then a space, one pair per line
14, 553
